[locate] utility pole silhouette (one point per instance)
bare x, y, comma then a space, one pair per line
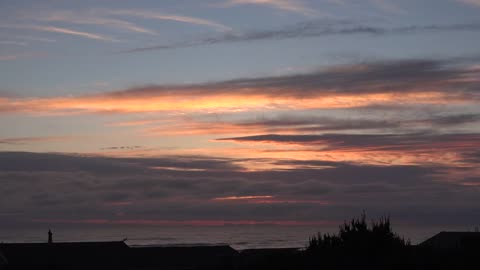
50, 236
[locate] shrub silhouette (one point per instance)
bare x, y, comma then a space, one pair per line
356, 234
358, 244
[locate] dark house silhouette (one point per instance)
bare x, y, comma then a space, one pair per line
113, 255
196, 257
269, 258
82, 255
453, 240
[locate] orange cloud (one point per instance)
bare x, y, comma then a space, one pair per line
214, 102
235, 198
268, 199
204, 128
178, 169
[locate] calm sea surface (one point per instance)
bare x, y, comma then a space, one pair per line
239, 237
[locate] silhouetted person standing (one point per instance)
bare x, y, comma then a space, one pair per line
50, 234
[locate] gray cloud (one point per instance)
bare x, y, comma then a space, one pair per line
71, 188
458, 119
392, 76
386, 142
29, 140
472, 156
312, 124
24, 161
358, 120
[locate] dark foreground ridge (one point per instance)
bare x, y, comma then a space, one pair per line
356, 246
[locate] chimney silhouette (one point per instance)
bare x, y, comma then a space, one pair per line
50, 234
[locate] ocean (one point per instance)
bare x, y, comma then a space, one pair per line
238, 236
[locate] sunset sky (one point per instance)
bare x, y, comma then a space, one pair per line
239, 111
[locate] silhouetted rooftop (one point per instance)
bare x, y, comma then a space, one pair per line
3, 260
452, 240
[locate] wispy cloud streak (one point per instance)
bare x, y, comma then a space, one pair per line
10, 42
19, 56
40, 39
170, 17
93, 19
71, 32
310, 30
295, 6
61, 30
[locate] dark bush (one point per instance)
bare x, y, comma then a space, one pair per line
359, 244
356, 234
